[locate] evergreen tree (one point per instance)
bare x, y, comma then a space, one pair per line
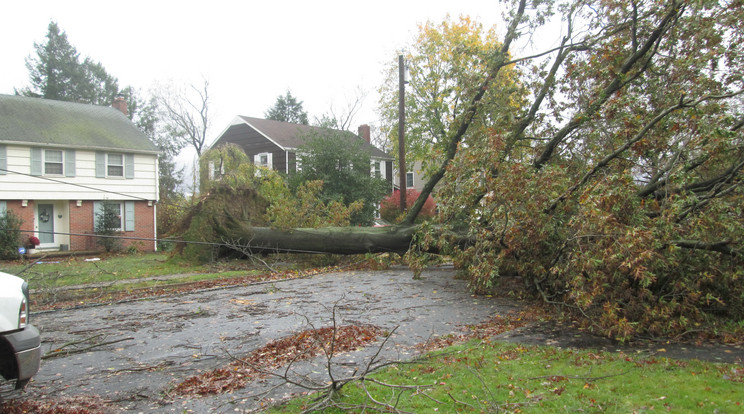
56, 72
108, 225
287, 109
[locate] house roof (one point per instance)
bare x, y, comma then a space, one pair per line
291, 136
46, 122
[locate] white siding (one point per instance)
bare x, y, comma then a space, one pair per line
84, 186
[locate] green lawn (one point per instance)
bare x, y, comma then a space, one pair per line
64, 281
490, 377
67, 271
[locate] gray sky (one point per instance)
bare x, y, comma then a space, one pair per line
249, 51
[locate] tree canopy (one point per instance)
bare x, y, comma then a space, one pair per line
614, 192
340, 160
56, 72
446, 63
287, 109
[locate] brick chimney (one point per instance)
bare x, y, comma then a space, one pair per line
120, 104
364, 132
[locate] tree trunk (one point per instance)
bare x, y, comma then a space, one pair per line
334, 240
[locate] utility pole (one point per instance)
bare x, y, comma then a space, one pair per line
401, 131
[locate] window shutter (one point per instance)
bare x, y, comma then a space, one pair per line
257, 159
271, 160
3, 160
35, 161
70, 163
129, 215
100, 165
97, 211
3, 207
128, 165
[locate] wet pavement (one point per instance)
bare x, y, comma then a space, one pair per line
155, 344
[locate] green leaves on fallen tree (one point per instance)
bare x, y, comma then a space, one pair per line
616, 192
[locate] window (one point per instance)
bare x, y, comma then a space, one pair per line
263, 159
124, 210
3, 160
216, 170
53, 162
377, 169
114, 165
409, 180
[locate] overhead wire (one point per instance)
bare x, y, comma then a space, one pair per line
155, 239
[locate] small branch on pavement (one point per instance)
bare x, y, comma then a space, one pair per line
61, 351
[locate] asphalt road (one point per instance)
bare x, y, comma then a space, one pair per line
156, 343
159, 342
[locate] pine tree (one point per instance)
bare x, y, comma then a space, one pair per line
56, 72
287, 109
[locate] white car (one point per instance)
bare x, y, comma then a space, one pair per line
20, 343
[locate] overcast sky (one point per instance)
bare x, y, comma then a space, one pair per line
249, 51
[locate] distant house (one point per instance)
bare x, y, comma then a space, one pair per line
415, 178
274, 144
59, 161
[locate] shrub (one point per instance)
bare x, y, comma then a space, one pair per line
10, 235
390, 206
108, 223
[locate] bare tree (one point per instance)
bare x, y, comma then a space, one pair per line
343, 118
186, 114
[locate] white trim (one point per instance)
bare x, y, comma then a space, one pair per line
264, 135
154, 226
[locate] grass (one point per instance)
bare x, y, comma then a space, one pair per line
67, 271
114, 275
484, 376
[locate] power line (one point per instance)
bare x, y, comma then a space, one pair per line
74, 184
155, 239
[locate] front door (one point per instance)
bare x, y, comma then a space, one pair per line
46, 223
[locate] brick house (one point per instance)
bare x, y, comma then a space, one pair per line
59, 161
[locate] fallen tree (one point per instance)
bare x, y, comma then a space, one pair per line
332, 240
611, 183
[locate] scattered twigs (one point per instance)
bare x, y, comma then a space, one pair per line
31, 264
279, 360
245, 249
92, 341
577, 377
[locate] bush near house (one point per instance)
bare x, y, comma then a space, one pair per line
10, 235
390, 206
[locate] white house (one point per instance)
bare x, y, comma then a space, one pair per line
59, 161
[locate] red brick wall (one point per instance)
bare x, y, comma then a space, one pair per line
144, 227
26, 214
82, 224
